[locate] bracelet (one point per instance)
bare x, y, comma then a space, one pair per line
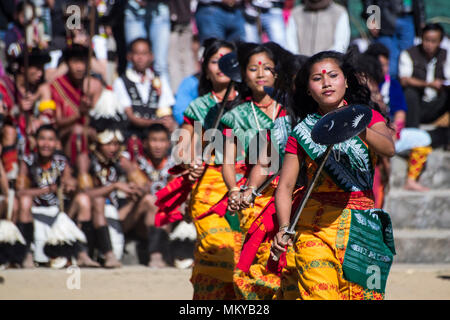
234, 189
284, 227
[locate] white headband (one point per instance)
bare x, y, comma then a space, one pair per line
108, 135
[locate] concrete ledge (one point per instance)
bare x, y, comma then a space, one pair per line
422, 246
419, 210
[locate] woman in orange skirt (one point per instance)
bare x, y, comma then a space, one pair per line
343, 246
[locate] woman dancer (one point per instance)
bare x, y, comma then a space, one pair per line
339, 232
212, 274
249, 121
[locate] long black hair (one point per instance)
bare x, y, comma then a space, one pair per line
211, 47
356, 93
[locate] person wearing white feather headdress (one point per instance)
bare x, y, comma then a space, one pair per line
119, 193
44, 177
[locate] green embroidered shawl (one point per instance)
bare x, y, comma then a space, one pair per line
370, 247
204, 110
242, 121
354, 170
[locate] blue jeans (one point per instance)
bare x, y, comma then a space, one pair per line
272, 23
402, 39
214, 22
152, 23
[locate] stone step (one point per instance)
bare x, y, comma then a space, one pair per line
419, 210
435, 176
422, 246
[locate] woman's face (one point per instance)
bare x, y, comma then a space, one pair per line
259, 73
327, 83
213, 72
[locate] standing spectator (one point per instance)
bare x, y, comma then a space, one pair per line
182, 61
267, 16
144, 96
423, 70
400, 21
221, 19
188, 89
318, 26
25, 22
150, 19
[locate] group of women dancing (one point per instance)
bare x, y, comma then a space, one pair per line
343, 246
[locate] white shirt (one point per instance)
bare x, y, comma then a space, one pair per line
342, 35
166, 100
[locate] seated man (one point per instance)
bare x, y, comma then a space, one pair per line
137, 211
43, 178
413, 141
74, 94
423, 72
22, 92
145, 97
156, 161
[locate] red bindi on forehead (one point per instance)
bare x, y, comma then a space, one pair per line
259, 62
324, 71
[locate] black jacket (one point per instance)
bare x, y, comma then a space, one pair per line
391, 9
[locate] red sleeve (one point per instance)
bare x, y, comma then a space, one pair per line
227, 131
188, 120
8, 102
376, 117
292, 145
282, 113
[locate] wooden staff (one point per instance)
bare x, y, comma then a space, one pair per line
92, 13
229, 65
26, 60
259, 24
291, 229
91, 35
25, 49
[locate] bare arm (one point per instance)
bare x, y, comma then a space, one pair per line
228, 169
103, 191
44, 92
283, 196
3, 180
258, 175
229, 175
286, 185
413, 82
379, 138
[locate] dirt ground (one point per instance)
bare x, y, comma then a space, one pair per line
138, 282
